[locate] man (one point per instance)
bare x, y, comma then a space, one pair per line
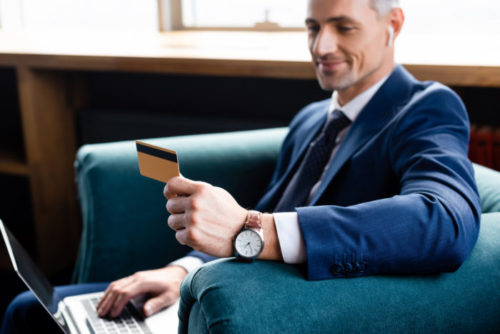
392, 191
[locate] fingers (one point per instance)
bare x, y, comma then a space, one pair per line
180, 223
117, 295
123, 298
105, 303
168, 195
182, 237
177, 222
163, 283
110, 295
180, 209
179, 186
178, 205
154, 305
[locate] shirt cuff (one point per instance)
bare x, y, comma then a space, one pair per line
190, 263
291, 242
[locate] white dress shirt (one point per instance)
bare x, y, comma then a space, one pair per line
287, 223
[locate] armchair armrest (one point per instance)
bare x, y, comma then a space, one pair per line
227, 296
488, 185
124, 216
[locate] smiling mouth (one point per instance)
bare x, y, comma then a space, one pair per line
330, 66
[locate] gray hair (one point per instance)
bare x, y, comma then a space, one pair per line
384, 6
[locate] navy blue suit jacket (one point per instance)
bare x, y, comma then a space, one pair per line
399, 196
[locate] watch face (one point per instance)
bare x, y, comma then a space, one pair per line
248, 243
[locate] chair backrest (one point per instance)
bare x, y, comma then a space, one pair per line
124, 216
488, 184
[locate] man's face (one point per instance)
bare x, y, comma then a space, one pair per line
348, 44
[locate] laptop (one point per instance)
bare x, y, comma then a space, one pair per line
77, 314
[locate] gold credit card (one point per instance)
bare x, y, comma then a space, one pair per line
157, 162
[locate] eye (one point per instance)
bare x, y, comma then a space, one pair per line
312, 28
345, 28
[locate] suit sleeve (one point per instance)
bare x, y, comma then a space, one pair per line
429, 227
202, 256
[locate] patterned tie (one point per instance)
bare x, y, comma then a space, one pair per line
313, 164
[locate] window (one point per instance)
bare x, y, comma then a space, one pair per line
265, 14
424, 17
451, 17
94, 15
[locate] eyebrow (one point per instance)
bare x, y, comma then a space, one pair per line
331, 19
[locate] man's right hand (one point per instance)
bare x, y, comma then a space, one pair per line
163, 284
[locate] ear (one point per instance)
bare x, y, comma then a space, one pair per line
396, 19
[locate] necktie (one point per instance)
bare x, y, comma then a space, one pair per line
313, 164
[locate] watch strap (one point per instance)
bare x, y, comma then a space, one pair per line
254, 219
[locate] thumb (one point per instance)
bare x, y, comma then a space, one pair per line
157, 303
180, 185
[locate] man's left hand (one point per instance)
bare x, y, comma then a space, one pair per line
204, 217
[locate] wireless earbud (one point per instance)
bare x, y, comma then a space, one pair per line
391, 36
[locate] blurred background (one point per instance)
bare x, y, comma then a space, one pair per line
75, 72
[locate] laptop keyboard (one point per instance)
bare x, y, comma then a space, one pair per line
125, 323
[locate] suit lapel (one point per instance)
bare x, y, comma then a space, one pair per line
393, 94
305, 134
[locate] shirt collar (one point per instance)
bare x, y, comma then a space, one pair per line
354, 107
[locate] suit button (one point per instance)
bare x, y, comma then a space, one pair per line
336, 269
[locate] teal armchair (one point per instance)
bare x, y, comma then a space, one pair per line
125, 230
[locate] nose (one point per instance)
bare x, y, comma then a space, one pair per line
324, 43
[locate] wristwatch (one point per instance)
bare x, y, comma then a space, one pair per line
249, 242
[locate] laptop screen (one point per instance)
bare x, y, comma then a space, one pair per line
29, 273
